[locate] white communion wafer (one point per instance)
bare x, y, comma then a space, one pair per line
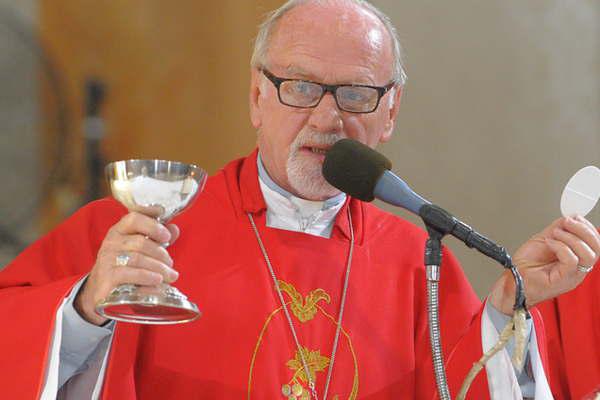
581, 192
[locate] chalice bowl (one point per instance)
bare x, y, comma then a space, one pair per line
160, 189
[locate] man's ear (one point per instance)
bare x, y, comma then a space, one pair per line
255, 93
392, 113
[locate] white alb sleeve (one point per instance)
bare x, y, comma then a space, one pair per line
504, 384
77, 349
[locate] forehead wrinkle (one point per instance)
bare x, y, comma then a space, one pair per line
366, 77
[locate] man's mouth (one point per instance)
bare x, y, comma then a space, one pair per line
317, 150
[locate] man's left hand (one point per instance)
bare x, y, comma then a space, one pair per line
548, 263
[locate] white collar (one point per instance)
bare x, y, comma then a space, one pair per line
286, 211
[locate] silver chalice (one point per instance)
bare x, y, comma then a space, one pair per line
160, 189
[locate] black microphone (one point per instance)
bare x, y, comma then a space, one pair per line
364, 173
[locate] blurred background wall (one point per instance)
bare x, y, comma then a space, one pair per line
21, 137
501, 106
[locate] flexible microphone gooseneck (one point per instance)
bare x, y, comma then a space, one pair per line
364, 173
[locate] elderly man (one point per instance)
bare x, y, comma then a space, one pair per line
306, 293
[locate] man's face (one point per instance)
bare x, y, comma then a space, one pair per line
331, 44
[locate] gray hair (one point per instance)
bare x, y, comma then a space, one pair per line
261, 44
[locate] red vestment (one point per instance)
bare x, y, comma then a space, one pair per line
572, 323
242, 347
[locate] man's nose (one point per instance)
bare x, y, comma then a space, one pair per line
326, 116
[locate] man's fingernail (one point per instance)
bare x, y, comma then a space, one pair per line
173, 275
164, 234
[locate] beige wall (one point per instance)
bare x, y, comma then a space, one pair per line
501, 104
501, 107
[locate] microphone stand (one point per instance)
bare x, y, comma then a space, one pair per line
433, 261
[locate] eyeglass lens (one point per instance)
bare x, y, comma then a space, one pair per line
349, 98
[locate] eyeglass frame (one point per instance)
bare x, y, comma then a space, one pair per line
277, 81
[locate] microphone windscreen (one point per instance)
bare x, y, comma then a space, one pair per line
354, 168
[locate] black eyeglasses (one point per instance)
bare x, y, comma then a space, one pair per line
299, 93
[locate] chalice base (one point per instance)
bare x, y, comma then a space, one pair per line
156, 305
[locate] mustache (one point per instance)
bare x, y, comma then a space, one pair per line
314, 138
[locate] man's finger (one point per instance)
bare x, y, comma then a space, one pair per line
584, 232
585, 255
585, 221
148, 247
138, 260
135, 276
548, 230
566, 258
136, 223
174, 229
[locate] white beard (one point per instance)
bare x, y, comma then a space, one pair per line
304, 173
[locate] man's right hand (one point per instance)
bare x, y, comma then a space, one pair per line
142, 238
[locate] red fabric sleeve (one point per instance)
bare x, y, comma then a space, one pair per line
572, 327
32, 288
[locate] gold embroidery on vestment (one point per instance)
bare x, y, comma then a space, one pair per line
260, 337
314, 361
304, 309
